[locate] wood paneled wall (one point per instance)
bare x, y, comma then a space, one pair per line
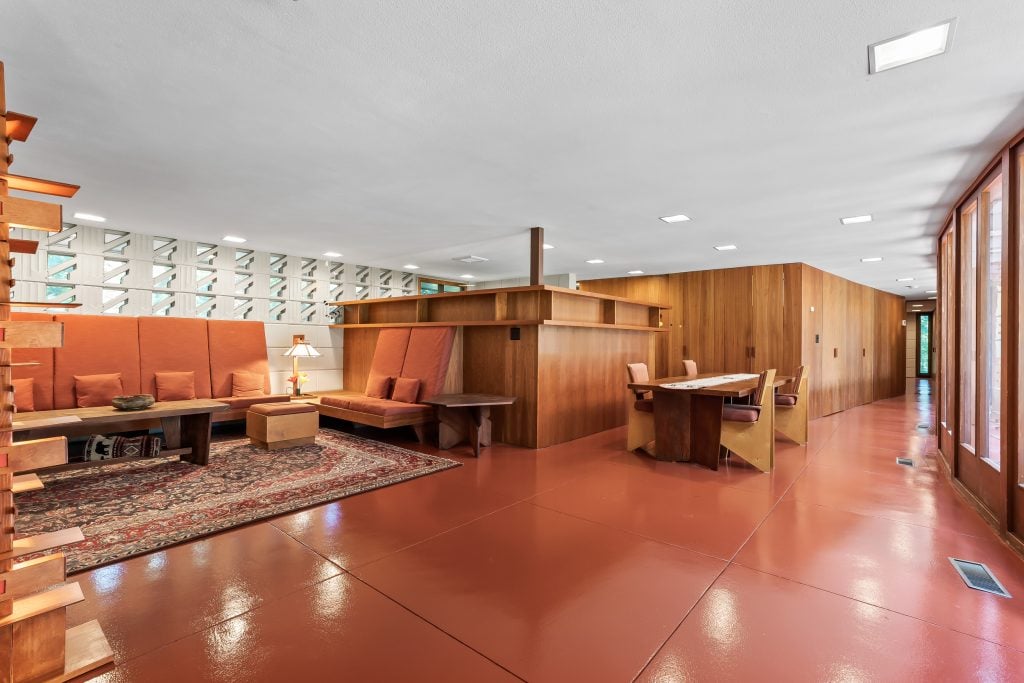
780, 316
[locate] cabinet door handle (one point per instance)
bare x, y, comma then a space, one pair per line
835, 352
753, 352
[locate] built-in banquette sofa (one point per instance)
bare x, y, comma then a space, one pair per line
138, 348
409, 365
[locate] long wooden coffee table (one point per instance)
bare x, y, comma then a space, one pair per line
466, 417
186, 425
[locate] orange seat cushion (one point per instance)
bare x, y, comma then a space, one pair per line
237, 402
282, 408
389, 353
95, 345
42, 374
741, 413
246, 384
97, 390
24, 401
384, 407
430, 349
378, 386
236, 346
645, 405
785, 399
175, 386
406, 390
336, 401
174, 345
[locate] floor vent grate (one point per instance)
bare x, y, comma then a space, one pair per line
924, 427
978, 577
908, 462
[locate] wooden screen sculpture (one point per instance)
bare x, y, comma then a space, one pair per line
35, 643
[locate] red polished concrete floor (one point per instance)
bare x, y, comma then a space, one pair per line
586, 563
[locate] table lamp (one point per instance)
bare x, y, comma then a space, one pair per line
300, 349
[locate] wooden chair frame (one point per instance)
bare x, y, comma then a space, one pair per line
791, 421
755, 441
640, 424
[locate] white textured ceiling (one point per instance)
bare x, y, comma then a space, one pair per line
400, 132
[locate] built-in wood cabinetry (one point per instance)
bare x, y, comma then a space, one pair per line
561, 353
850, 337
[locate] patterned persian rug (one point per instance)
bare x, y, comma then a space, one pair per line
133, 508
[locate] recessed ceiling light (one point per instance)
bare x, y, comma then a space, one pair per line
932, 291
634, 272
871, 259
411, 266
595, 261
726, 247
467, 276
549, 246
905, 279
470, 259
853, 220
332, 254
91, 217
910, 47
678, 218
232, 238
918, 305
931, 298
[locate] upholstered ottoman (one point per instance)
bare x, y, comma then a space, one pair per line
281, 425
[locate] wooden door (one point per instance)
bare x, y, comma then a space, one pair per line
734, 317
866, 362
834, 343
811, 322
767, 348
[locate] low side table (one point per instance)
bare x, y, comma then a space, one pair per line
466, 417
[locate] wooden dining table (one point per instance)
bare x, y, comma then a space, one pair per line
688, 422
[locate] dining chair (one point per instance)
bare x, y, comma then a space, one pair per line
791, 409
640, 425
749, 431
689, 368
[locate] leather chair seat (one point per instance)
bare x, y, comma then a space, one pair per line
741, 413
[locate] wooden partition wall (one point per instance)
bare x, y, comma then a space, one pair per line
560, 352
980, 382
850, 337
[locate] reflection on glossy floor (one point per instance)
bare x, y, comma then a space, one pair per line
586, 563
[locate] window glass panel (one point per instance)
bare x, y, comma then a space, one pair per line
968, 322
990, 340
924, 343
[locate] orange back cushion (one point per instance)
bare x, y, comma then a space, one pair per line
97, 390
236, 346
378, 386
24, 401
175, 386
246, 384
42, 374
406, 390
430, 348
174, 345
389, 354
95, 344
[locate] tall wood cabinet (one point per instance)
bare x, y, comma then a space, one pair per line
850, 337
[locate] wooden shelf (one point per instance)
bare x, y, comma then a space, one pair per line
32, 576
500, 290
39, 186
19, 126
85, 649
505, 323
31, 214
41, 542
41, 603
25, 425
26, 482
31, 334
23, 246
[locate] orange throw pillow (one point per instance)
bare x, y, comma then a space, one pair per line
378, 386
246, 384
406, 390
24, 401
97, 390
176, 386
